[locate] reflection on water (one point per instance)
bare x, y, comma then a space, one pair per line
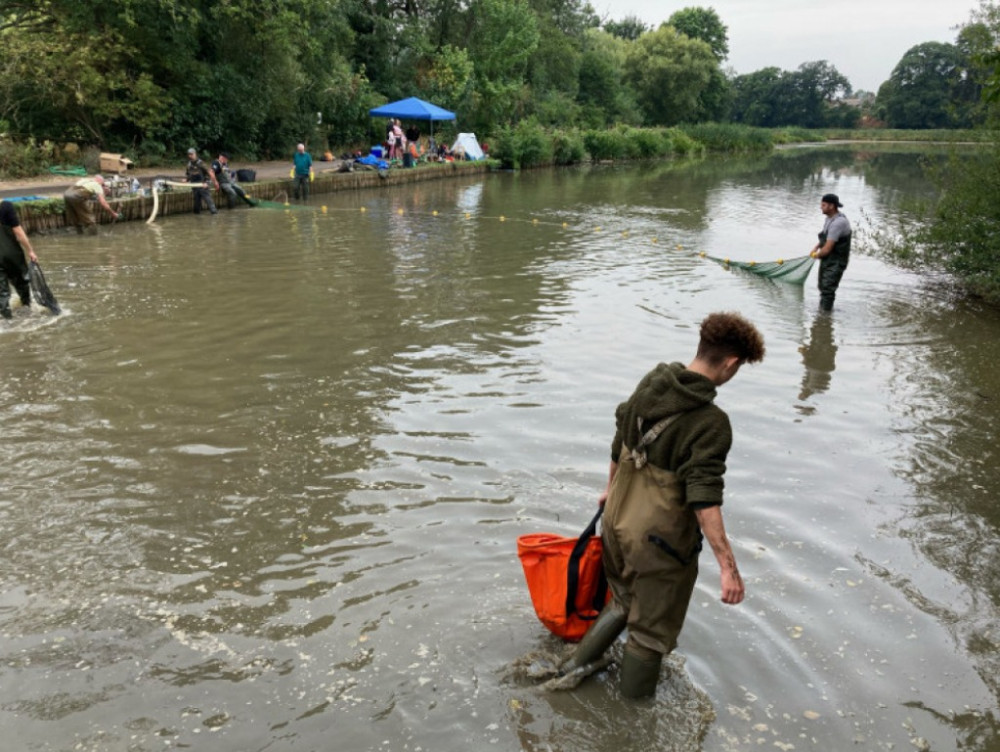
819, 355
263, 481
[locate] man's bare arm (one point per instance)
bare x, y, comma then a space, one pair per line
710, 520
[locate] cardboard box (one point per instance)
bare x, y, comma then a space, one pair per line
115, 163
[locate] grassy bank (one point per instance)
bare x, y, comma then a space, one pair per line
530, 145
891, 134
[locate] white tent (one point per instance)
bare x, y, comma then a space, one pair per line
467, 143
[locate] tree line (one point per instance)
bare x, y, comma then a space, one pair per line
151, 77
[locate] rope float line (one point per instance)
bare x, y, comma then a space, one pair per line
793, 267
797, 267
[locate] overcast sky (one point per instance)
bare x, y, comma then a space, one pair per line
863, 39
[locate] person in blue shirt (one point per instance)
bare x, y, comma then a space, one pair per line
302, 171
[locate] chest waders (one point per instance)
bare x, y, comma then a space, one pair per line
13, 270
651, 546
831, 269
79, 207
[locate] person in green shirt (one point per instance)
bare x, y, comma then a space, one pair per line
302, 171
664, 495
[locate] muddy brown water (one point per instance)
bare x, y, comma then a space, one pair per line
262, 482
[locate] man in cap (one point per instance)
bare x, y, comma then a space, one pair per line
220, 167
79, 203
833, 249
198, 172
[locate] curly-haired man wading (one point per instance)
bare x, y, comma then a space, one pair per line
664, 495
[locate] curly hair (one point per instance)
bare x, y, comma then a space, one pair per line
727, 334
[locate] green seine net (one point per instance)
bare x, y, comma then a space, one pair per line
793, 271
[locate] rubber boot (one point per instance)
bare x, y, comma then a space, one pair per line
605, 629
640, 672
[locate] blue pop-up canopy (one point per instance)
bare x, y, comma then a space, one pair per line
413, 108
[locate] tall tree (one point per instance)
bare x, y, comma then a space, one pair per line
669, 71
756, 97
703, 24
809, 97
630, 28
604, 97
811, 92
446, 77
504, 37
922, 89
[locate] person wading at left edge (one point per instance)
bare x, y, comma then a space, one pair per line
14, 244
664, 494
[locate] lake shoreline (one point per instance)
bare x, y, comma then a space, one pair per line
46, 216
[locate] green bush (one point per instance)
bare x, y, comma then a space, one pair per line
731, 137
795, 135
682, 144
604, 144
525, 145
153, 154
44, 206
639, 143
960, 233
21, 159
533, 144
502, 148
568, 148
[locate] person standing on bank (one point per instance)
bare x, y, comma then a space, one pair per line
79, 204
198, 172
14, 244
220, 168
664, 495
303, 171
833, 249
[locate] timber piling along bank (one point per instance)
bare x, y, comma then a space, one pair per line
44, 216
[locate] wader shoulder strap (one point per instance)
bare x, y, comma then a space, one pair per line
639, 453
573, 576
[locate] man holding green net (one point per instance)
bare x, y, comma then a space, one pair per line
833, 249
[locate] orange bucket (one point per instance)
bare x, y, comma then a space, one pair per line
565, 579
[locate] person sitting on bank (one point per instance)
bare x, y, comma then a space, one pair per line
220, 167
14, 244
414, 152
200, 174
79, 200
